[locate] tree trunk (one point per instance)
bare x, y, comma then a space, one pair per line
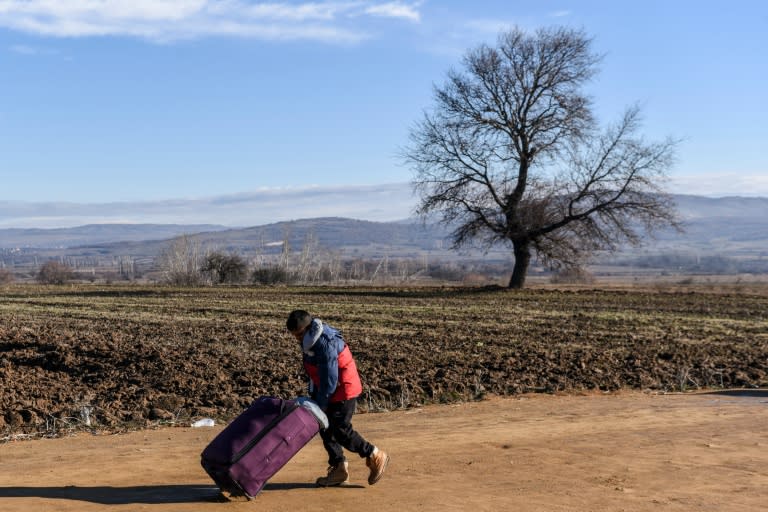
522, 259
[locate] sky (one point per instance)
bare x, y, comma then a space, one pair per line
241, 112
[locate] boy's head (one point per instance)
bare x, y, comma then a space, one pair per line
298, 322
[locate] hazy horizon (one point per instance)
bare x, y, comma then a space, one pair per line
385, 202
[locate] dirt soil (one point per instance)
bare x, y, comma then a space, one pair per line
627, 451
133, 357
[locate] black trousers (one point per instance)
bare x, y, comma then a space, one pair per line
340, 433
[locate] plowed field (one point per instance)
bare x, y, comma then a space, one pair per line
117, 358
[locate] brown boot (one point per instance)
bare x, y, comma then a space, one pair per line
226, 495
337, 475
377, 463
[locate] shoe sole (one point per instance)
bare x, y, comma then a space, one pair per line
381, 473
335, 484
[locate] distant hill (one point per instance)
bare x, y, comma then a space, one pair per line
355, 238
96, 234
730, 227
696, 207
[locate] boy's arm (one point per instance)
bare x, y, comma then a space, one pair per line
328, 372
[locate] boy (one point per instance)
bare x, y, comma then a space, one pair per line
335, 385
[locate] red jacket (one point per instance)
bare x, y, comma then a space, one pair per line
330, 366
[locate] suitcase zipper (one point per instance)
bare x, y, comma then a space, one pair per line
267, 428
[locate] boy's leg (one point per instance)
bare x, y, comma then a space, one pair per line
340, 416
340, 433
338, 473
334, 449
340, 427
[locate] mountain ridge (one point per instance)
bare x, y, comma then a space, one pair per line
731, 227
692, 209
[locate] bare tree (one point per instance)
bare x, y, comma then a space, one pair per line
307, 258
511, 153
181, 261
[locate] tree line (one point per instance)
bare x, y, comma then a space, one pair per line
185, 263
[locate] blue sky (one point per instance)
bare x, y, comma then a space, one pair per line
240, 112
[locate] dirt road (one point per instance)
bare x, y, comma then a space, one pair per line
618, 452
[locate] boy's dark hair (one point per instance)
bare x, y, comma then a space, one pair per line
298, 319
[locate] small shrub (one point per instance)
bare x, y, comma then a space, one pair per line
572, 275
53, 272
5, 276
445, 272
273, 274
225, 268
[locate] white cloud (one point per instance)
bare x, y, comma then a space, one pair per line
721, 184
24, 49
281, 11
101, 9
33, 51
395, 10
560, 14
164, 20
384, 202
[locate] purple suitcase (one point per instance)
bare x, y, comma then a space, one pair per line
251, 449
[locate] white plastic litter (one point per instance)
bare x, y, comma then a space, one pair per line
205, 422
315, 409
